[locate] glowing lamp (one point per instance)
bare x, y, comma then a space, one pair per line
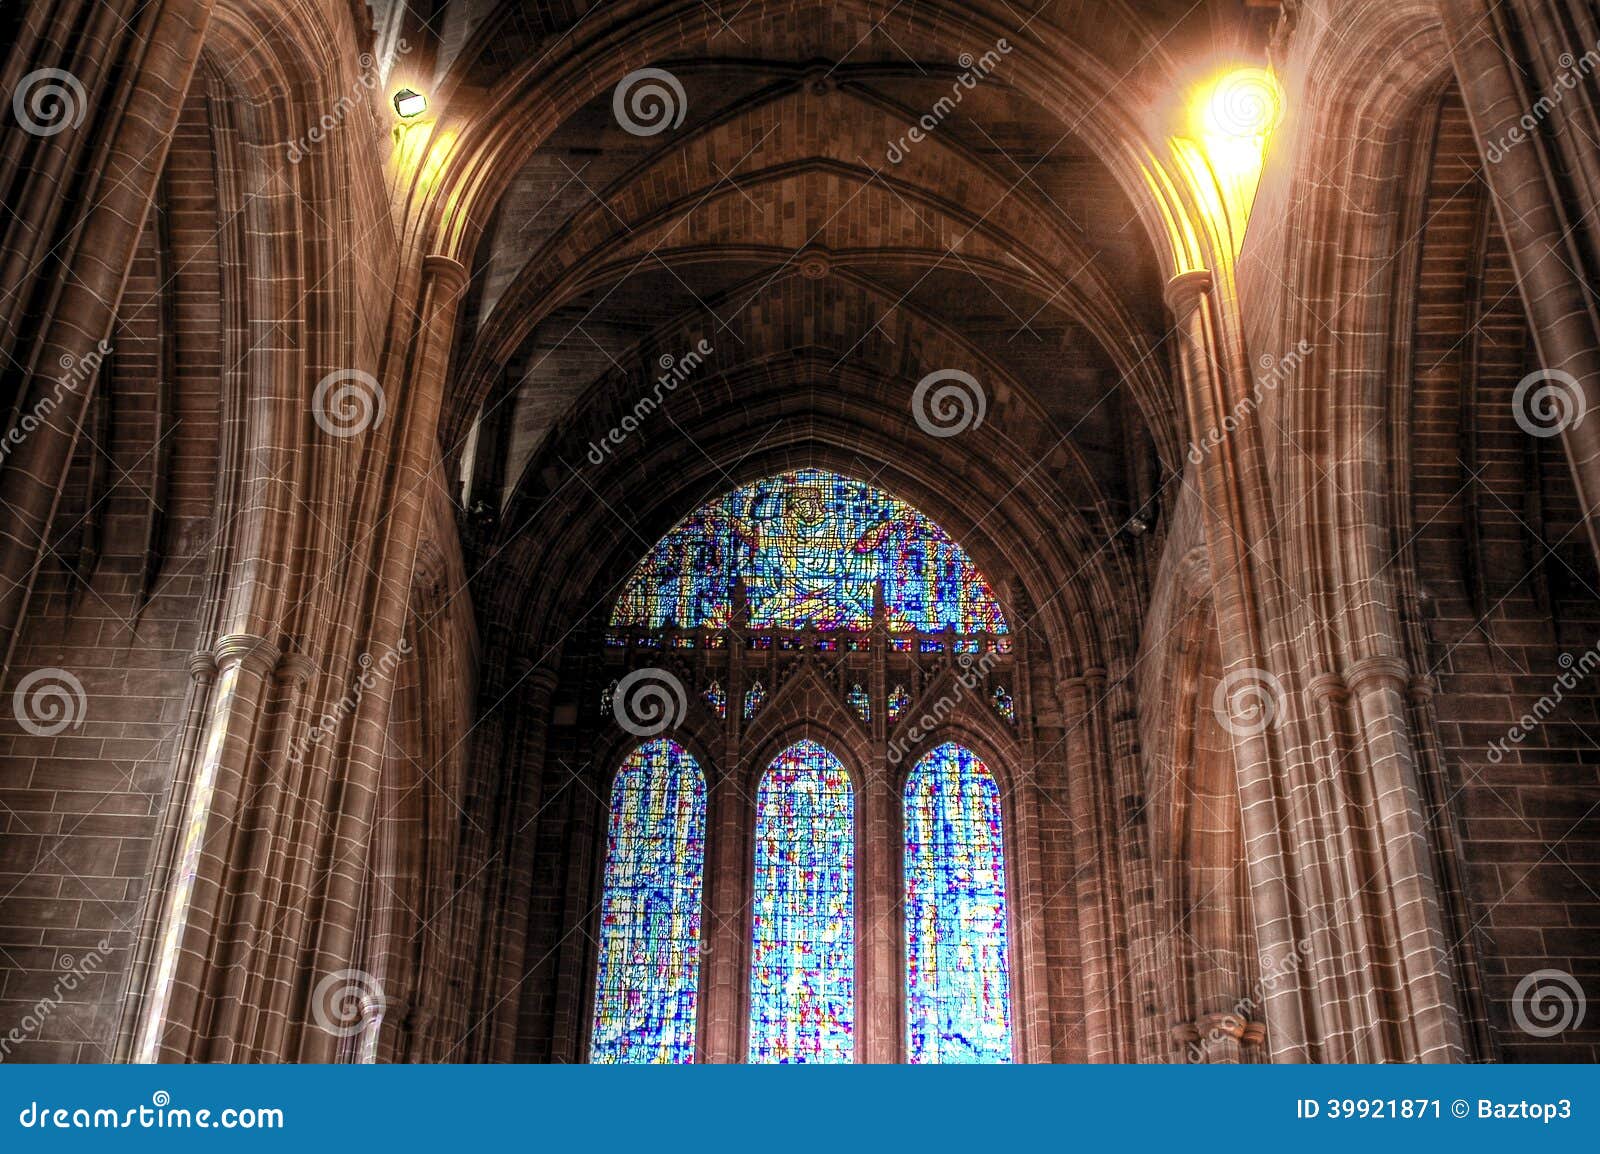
408, 103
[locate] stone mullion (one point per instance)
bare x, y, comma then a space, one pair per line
1553, 256
1425, 1002
722, 934
421, 397
1034, 955
1095, 930
879, 882
86, 305
1234, 487
202, 676
182, 966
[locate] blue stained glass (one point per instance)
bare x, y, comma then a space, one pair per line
899, 702
1003, 704
802, 974
754, 697
810, 547
856, 697
649, 966
958, 992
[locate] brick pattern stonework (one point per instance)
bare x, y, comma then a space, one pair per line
332, 435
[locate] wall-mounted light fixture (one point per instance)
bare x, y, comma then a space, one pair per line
408, 102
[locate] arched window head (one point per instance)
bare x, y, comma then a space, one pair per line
802, 968
649, 969
809, 549
958, 980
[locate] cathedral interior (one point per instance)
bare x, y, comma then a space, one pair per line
775, 531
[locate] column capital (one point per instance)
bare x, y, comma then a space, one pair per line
1373, 671
445, 272
1327, 689
202, 665
296, 669
254, 653
1183, 292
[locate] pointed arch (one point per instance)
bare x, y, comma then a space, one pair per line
648, 976
958, 971
803, 918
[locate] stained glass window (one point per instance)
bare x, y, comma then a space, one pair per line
802, 976
958, 996
753, 699
856, 697
606, 695
649, 967
1003, 704
810, 547
717, 699
899, 702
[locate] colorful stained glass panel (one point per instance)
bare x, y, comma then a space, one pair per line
810, 547
802, 976
899, 702
958, 992
649, 968
856, 697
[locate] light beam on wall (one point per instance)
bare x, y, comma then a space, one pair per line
1223, 143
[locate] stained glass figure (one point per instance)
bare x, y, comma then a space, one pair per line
810, 547
856, 698
754, 698
606, 696
649, 966
1003, 704
958, 995
802, 975
899, 702
717, 699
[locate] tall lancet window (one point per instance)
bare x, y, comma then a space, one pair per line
958, 981
649, 969
802, 977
